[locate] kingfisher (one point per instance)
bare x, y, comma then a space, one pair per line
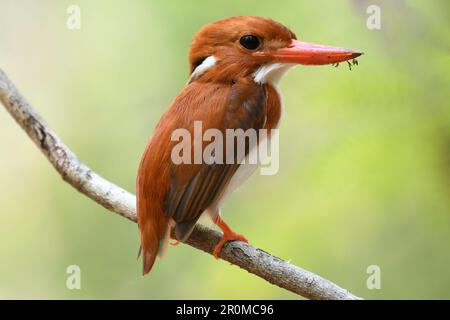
235, 65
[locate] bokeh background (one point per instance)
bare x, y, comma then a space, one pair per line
365, 154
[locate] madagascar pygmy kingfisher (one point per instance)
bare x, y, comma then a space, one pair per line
235, 65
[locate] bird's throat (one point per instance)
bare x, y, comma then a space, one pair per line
271, 73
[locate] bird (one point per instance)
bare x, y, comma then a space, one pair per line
235, 65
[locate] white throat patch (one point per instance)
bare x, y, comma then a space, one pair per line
271, 73
206, 64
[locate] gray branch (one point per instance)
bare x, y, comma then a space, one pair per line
116, 199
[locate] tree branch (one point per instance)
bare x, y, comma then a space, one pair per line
115, 199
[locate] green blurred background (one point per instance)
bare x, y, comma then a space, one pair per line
365, 155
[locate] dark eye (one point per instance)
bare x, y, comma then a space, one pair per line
249, 42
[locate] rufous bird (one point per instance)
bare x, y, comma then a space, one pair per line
235, 65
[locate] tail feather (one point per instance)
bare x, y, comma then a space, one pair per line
148, 259
153, 227
152, 220
150, 247
139, 253
154, 246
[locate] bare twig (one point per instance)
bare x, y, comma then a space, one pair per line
115, 199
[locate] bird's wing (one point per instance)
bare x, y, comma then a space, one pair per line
195, 187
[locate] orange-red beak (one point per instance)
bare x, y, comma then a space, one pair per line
310, 54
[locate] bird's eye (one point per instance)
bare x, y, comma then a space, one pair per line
249, 42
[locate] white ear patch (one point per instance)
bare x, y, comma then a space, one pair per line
271, 73
207, 64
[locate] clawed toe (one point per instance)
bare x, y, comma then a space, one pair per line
226, 238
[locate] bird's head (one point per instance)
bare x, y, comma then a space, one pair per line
262, 48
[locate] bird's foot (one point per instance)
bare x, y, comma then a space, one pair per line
227, 236
174, 243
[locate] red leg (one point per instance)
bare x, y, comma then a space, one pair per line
228, 235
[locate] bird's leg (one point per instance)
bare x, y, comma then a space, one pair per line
228, 235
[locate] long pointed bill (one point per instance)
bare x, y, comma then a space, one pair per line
310, 54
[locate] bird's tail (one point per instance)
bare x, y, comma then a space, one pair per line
154, 228
154, 242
